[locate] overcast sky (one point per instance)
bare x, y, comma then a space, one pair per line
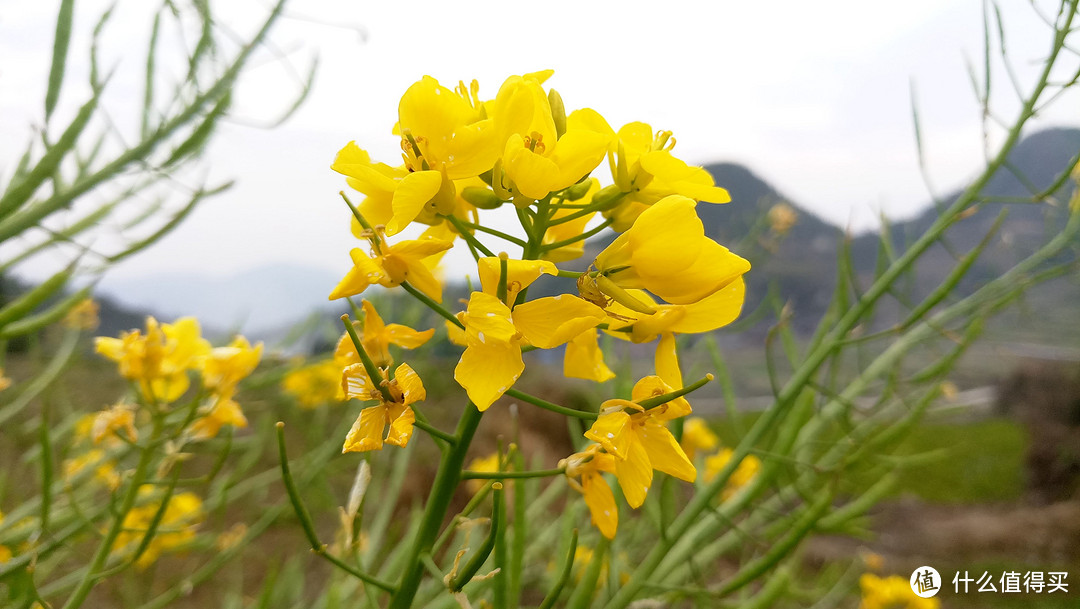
814, 97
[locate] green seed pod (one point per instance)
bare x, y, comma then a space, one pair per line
608, 197
481, 197
621, 296
578, 190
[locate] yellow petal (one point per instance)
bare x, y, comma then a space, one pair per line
410, 196
404, 336
551, 321
367, 431
408, 381
487, 320
401, 424
654, 386
356, 383
577, 153
667, 362
365, 272
584, 360
715, 311
664, 452
534, 175
634, 474
613, 432
486, 371
520, 274
591, 120
601, 502
689, 181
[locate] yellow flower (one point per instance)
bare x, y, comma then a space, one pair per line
781, 218
644, 168
83, 316
667, 253
367, 432
224, 367
158, 361
587, 466
492, 360
176, 529
640, 442
376, 338
444, 137
520, 274
536, 160
113, 420
223, 411
697, 436
584, 360
714, 311
315, 384
104, 469
893, 592
743, 474
392, 265
5, 382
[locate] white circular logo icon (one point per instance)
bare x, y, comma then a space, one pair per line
925, 582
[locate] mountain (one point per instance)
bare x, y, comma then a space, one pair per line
256, 302
802, 265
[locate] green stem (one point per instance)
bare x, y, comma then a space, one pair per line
372, 370
467, 236
583, 236
434, 431
93, 572
538, 473
461, 225
442, 491
535, 401
305, 519
431, 304
564, 575
815, 358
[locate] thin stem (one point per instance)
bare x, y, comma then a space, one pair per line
372, 370
435, 432
583, 236
431, 304
305, 519
488, 230
539, 473
535, 401
93, 571
467, 236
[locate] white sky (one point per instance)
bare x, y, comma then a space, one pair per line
811, 96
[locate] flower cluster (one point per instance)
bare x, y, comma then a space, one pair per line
660, 276
159, 363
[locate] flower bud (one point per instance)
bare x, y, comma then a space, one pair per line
558, 112
578, 190
481, 197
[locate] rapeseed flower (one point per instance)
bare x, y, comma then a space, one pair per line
667, 253
405, 389
587, 466
640, 442
391, 265
315, 384
892, 592
376, 338
159, 360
